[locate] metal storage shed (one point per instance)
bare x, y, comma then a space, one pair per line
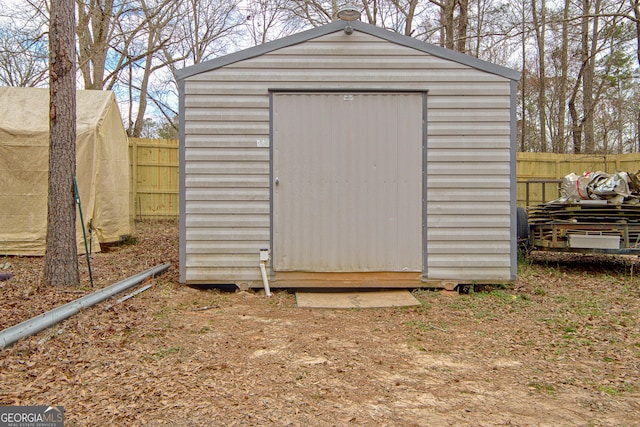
369, 159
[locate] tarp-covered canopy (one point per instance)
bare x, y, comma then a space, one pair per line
102, 170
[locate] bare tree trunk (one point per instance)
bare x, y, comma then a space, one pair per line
576, 128
539, 23
448, 23
408, 26
371, 10
559, 143
636, 12
588, 57
408, 12
136, 131
447, 32
638, 132
61, 259
94, 34
576, 123
523, 79
463, 23
479, 28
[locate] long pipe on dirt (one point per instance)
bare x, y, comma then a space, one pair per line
58, 314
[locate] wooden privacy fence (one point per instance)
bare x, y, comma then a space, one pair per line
155, 180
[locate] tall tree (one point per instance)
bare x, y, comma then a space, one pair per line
461, 28
558, 142
23, 58
539, 24
371, 11
589, 47
204, 31
447, 22
408, 13
157, 17
635, 4
61, 259
23, 44
523, 82
315, 12
95, 35
265, 20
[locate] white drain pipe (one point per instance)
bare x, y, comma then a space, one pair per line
264, 257
58, 314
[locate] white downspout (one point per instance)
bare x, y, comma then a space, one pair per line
264, 257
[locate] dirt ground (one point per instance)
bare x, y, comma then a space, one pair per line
560, 347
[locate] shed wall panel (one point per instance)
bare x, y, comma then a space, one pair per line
219, 275
229, 207
221, 101
224, 247
461, 247
466, 274
390, 61
226, 194
226, 128
228, 154
339, 76
228, 168
226, 181
228, 221
227, 234
224, 141
226, 131
388, 82
228, 114
469, 168
467, 142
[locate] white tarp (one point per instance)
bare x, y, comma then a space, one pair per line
102, 169
621, 187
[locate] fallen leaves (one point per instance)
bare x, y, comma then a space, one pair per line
560, 346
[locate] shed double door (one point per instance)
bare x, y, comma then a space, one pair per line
347, 182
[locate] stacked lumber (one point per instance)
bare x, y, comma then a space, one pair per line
596, 211
585, 213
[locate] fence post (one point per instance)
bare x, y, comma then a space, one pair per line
133, 144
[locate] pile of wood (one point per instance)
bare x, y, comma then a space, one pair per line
597, 212
586, 227
585, 213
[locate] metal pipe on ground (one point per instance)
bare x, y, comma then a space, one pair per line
58, 314
129, 296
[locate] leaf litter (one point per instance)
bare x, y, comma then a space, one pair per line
560, 346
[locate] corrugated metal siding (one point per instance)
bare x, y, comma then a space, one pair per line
227, 166
349, 196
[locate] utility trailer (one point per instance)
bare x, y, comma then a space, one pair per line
596, 213
589, 226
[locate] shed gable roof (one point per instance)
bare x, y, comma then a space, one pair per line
336, 26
